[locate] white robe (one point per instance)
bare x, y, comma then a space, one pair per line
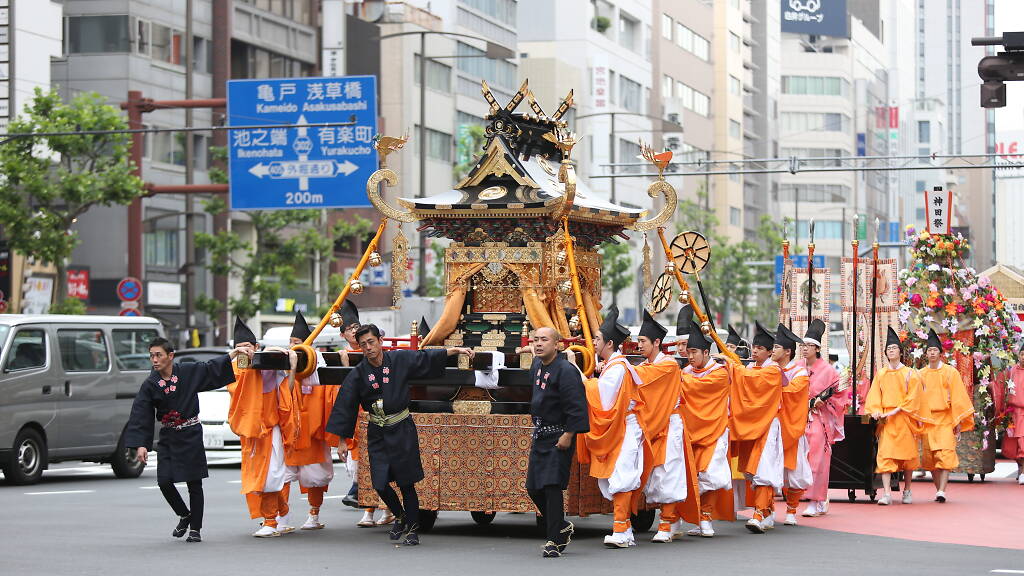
718, 475
772, 463
630, 463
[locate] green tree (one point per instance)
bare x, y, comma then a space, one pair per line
282, 241
49, 182
616, 268
468, 146
435, 279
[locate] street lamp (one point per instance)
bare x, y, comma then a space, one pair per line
493, 51
666, 126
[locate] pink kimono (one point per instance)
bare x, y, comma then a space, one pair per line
824, 425
1013, 404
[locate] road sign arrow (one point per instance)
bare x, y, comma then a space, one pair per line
260, 170
345, 167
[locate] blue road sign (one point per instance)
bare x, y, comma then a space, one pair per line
316, 167
799, 262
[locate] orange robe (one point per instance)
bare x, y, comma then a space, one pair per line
755, 399
944, 398
793, 414
252, 415
313, 404
897, 440
601, 445
706, 414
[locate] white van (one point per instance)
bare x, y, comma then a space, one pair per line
66, 389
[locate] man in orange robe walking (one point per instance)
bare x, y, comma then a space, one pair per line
755, 428
895, 402
950, 411
615, 444
706, 387
793, 417
672, 479
261, 415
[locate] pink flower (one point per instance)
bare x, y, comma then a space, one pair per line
386, 380
387, 370
984, 281
173, 388
915, 299
960, 309
1016, 329
174, 379
371, 377
947, 345
375, 386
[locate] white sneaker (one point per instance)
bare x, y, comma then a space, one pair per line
940, 496
618, 540
754, 526
768, 523
677, 528
266, 532
706, 530
885, 500
695, 531
283, 526
1020, 480
823, 508
313, 523
367, 520
662, 536
908, 498
811, 510
790, 519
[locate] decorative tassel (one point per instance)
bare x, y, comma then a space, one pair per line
399, 262
648, 279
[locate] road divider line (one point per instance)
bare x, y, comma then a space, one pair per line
332, 497
59, 492
234, 481
1003, 571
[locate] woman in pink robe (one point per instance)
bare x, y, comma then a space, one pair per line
825, 419
1013, 405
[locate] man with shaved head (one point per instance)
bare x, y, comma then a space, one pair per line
559, 411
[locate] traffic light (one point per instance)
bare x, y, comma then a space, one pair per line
1003, 67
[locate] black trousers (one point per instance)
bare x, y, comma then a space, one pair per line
194, 510
411, 509
551, 506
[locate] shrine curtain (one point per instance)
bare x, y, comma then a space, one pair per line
458, 286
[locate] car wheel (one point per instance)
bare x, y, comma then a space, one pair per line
124, 463
28, 458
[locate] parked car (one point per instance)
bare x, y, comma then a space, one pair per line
213, 404
66, 389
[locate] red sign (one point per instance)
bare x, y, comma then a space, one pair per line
938, 210
129, 289
78, 284
130, 312
894, 117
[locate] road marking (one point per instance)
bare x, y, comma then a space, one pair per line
332, 497
149, 487
59, 492
234, 481
1006, 571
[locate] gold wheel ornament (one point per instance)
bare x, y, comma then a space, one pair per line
661, 294
690, 252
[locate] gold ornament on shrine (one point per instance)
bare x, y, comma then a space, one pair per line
356, 287
565, 287
574, 323
375, 259
335, 320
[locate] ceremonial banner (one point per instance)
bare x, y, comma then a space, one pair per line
938, 204
786, 295
819, 295
885, 306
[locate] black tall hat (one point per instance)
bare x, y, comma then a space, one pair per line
697, 338
933, 340
243, 334
734, 336
743, 350
683, 320
892, 337
349, 313
784, 337
300, 329
815, 332
422, 329
651, 329
611, 329
762, 337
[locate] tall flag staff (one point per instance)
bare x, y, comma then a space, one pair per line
810, 273
854, 373
785, 297
874, 298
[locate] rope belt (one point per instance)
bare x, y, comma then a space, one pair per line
387, 419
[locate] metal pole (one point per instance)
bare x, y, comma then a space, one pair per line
796, 219
422, 264
190, 249
611, 151
707, 183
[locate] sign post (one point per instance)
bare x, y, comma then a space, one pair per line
307, 167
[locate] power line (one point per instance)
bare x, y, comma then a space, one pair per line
9, 137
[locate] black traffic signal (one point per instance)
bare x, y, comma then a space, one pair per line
1003, 67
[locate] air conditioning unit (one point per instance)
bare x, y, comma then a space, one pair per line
673, 143
673, 117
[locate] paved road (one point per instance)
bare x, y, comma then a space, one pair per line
81, 520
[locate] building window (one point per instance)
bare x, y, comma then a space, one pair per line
666, 86
735, 86
629, 32
834, 193
823, 229
628, 152
296, 10
168, 44
693, 99
734, 42
631, 95
666, 27
701, 103
503, 11
160, 247
439, 76
829, 155
684, 37
735, 216
795, 122
472, 61
439, 145
815, 85
735, 129
924, 131
97, 34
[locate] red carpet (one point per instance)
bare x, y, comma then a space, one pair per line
976, 514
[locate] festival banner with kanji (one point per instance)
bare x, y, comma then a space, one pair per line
938, 207
786, 295
818, 293
884, 306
